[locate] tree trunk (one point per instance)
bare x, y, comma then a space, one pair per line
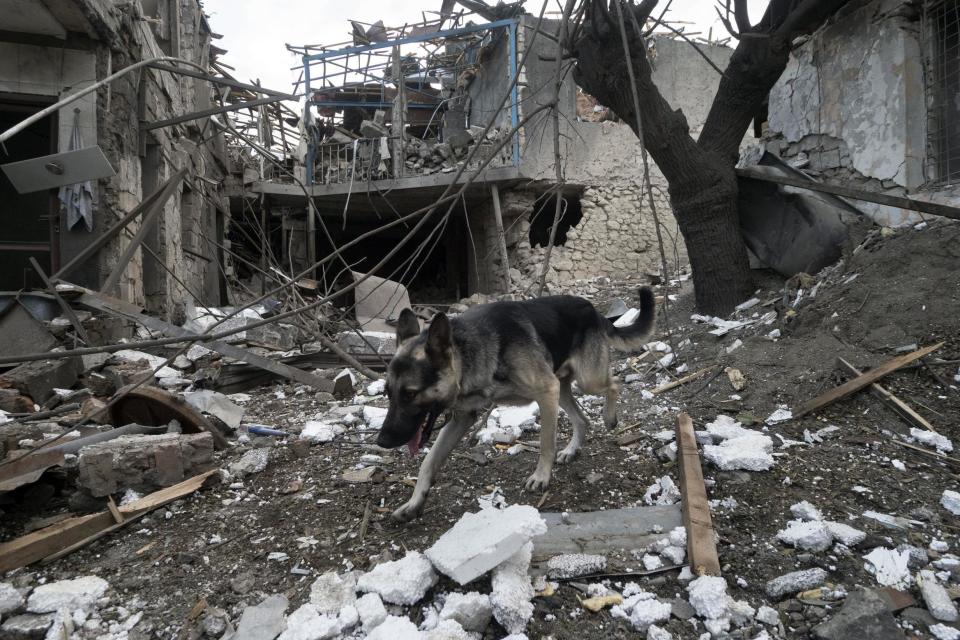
702, 184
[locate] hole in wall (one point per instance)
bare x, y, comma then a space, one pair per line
541, 219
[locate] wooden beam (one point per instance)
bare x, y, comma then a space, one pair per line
902, 409
111, 306
682, 381
145, 225
701, 547
862, 381
501, 236
67, 536
213, 111
932, 208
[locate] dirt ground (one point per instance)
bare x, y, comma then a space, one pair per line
894, 291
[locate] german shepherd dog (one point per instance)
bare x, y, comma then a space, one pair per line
503, 353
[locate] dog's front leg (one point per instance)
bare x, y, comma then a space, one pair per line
548, 401
449, 436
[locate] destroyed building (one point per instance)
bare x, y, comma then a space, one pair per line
869, 102
51, 49
382, 153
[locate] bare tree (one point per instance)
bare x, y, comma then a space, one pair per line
700, 173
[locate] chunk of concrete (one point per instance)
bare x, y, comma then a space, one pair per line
795, 582
371, 610
863, 615
306, 623
79, 593
27, 626
480, 541
472, 610
39, 378
11, 600
937, 598
143, 462
332, 592
403, 581
512, 591
253, 461
571, 565
395, 628
216, 404
264, 621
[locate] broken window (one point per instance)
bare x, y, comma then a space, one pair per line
542, 219
943, 32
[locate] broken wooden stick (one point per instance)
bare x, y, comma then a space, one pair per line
682, 381
701, 547
66, 536
862, 381
902, 409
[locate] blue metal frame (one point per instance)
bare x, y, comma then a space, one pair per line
511, 25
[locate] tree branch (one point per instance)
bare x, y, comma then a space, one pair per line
742, 16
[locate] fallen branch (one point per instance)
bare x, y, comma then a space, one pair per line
902, 409
682, 381
862, 381
932, 454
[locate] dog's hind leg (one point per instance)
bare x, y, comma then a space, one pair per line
548, 399
610, 404
579, 421
449, 436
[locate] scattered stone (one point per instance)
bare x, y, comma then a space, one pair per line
749, 453
845, 534
950, 500
307, 624
795, 582
331, 592
253, 461
26, 626
512, 591
471, 610
403, 581
480, 541
663, 492
264, 621
79, 593
647, 612
805, 511
943, 632
863, 615
39, 378
656, 633
936, 597
11, 600
681, 609
809, 536
371, 611
768, 615
708, 595
572, 565
395, 628
448, 630
889, 567
374, 475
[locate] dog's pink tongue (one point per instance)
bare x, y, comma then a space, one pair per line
414, 445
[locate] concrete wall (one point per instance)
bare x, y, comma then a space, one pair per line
852, 107
602, 163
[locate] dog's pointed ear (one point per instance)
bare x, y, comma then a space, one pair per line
439, 340
407, 326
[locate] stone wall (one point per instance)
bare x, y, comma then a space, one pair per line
851, 109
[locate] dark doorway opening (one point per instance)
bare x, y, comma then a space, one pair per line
28, 221
541, 219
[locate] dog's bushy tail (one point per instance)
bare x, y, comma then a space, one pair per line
634, 336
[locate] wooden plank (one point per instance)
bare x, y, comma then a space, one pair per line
112, 306
862, 381
145, 226
701, 548
932, 208
684, 380
27, 468
64, 537
112, 507
902, 409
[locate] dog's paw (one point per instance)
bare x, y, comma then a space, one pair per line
567, 455
407, 512
611, 422
538, 481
